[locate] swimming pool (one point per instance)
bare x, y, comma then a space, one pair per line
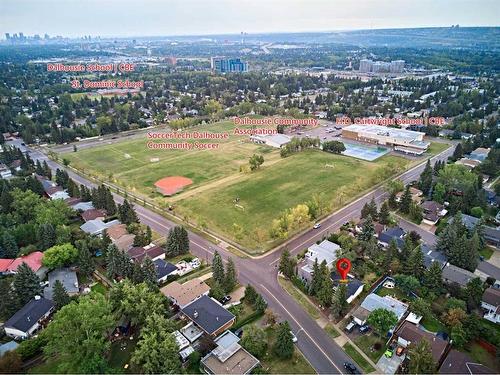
364, 152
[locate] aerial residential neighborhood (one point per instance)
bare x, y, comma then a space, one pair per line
265, 187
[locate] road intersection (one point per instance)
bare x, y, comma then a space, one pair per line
321, 351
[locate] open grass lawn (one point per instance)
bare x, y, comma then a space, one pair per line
268, 192
366, 342
120, 353
437, 147
99, 288
264, 195
358, 358
431, 323
332, 331
393, 292
299, 297
274, 365
487, 252
481, 355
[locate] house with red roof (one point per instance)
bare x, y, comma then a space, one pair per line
33, 260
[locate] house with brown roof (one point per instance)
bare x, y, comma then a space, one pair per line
408, 333
94, 214
432, 212
183, 294
460, 363
416, 195
154, 252
116, 231
490, 302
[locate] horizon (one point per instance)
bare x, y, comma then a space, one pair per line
178, 18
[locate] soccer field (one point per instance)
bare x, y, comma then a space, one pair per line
265, 194
238, 206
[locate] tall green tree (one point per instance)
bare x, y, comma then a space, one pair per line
218, 273
230, 277
287, 264
9, 246
421, 361
81, 327
47, 236
425, 181
86, 264
254, 340
157, 351
316, 279
26, 285
433, 278
405, 203
339, 301
283, 346
382, 320
60, 295
384, 214
367, 230
177, 242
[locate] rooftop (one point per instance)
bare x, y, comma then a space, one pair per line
379, 130
410, 332
208, 314
491, 296
183, 294
33, 260
29, 314
374, 301
460, 363
457, 275
325, 251
68, 279
164, 268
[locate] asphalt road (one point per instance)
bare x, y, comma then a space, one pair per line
325, 356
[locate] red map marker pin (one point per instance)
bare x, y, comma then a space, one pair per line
343, 266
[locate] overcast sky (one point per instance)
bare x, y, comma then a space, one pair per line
197, 17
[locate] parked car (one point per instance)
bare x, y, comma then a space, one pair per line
317, 226
389, 352
350, 368
294, 338
350, 327
364, 329
399, 351
225, 299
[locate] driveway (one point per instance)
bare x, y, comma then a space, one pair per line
390, 365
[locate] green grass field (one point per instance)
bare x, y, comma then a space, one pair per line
264, 195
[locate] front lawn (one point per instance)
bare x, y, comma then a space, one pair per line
486, 252
358, 358
299, 297
366, 343
274, 365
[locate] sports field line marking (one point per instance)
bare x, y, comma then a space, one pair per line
302, 328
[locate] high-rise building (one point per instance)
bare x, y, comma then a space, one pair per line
365, 66
397, 66
223, 65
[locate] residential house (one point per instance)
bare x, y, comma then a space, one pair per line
490, 302
164, 269
397, 234
408, 333
416, 195
82, 206
120, 236
33, 260
374, 301
432, 255
96, 227
454, 274
468, 163
354, 286
491, 235
5, 171
229, 357
28, 319
209, 315
154, 252
480, 154
325, 251
457, 362
182, 295
93, 214
432, 212
67, 278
